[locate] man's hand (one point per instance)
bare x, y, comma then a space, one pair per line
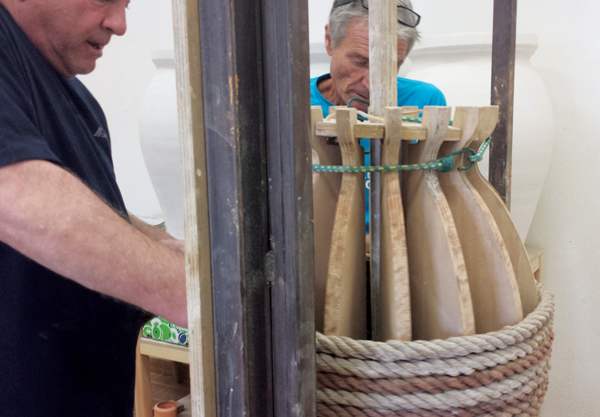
157, 234
174, 244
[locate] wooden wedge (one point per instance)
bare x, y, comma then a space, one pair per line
488, 117
345, 298
394, 282
440, 298
494, 290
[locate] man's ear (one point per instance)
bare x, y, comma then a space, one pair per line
328, 41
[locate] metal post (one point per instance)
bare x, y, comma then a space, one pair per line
287, 120
237, 194
257, 123
503, 74
383, 51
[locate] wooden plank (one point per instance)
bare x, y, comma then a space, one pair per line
168, 351
383, 57
195, 194
410, 131
325, 196
516, 250
394, 299
345, 298
143, 391
494, 290
503, 87
440, 298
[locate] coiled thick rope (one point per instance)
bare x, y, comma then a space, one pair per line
502, 373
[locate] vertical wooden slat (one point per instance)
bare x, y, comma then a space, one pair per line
345, 299
383, 55
197, 246
503, 73
287, 123
383, 50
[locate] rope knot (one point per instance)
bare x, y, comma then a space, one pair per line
446, 163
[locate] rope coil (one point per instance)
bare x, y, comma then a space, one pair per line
503, 373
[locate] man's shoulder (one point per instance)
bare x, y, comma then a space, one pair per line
416, 85
316, 80
418, 93
316, 98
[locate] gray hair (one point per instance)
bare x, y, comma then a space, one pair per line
341, 17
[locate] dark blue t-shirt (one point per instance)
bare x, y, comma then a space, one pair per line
64, 350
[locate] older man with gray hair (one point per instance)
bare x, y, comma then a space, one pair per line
347, 42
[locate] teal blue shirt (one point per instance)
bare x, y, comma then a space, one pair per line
410, 93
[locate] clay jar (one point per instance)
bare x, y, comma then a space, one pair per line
460, 66
159, 140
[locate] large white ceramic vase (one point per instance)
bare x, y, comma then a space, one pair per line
460, 65
159, 140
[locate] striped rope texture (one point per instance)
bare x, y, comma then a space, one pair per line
502, 373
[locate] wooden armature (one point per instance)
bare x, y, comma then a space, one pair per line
473, 178
494, 291
325, 195
393, 318
440, 295
345, 301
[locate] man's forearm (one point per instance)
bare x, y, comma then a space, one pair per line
50, 216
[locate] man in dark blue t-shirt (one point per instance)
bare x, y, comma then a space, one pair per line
75, 268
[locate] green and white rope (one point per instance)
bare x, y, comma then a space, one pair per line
444, 164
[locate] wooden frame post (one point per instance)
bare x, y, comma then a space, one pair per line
503, 75
383, 70
197, 246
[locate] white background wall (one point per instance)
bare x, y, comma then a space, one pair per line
118, 83
566, 224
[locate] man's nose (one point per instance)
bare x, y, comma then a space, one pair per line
115, 20
366, 80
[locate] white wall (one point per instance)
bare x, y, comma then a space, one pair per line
567, 218
118, 83
566, 222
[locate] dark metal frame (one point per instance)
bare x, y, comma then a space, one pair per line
287, 109
503, 84
237, 188
257, 119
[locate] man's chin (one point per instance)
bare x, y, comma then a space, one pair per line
81, 69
